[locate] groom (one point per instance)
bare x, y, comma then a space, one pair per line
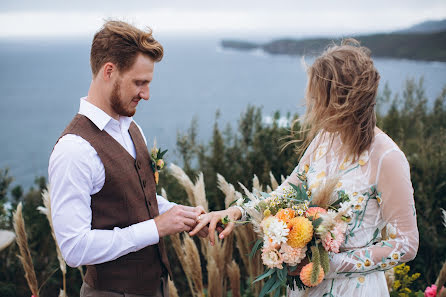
105, 210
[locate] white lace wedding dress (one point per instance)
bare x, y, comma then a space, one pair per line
380, 184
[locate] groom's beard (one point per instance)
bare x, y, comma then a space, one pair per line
117, 103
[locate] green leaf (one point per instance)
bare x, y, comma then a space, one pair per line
276, 285
375, 234
282, 273
317, 222
255, 248
267, 286
265, 195
265, 275
277, 294
161, 154
296, 188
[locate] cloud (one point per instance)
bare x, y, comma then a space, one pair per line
236, 20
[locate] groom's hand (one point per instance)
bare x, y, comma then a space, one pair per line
177, 219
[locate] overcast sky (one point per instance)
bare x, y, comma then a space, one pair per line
235, 17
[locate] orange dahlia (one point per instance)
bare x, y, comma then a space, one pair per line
314, 212
301, 232
285, 214
305, 275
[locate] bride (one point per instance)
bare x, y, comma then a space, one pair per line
342, 141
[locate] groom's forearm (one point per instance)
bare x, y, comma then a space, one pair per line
98, 246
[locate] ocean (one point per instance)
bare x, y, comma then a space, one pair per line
41, 82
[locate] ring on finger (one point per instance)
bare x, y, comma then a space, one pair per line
199, 218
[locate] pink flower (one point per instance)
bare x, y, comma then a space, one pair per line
271, 257
333, 240
291, 255
432, 291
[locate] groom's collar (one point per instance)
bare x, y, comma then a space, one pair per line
99, 117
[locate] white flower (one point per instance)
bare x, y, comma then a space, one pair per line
328, 221
240, 202
346, 208
275, 231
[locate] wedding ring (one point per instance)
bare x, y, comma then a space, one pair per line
199, 218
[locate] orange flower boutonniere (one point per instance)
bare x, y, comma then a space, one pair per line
157, 161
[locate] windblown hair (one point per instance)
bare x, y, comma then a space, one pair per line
120, 43
341, 96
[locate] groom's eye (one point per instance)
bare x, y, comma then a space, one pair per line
141, 83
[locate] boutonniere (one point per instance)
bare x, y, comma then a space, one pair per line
157, 161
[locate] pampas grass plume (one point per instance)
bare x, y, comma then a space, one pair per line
25, 254
323, 196
441, 279
234, 278
6, 238
172, 289
274, 183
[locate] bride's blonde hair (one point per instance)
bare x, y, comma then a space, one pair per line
341, 96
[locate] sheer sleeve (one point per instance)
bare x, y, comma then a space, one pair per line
395, 197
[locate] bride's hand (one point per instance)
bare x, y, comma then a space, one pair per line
213, 218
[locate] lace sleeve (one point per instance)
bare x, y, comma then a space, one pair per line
398, 211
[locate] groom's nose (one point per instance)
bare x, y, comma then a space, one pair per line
144, 93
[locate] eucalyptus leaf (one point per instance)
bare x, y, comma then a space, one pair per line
267, 286
255, 248
265, 275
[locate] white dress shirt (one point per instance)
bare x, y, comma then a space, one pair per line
75, 173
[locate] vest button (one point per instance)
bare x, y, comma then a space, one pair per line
138, 164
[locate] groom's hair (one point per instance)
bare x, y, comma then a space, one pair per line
119, 43
341, 96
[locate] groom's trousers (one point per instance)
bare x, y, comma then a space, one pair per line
87, 291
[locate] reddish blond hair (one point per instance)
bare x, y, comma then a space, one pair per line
341, 96
120, 43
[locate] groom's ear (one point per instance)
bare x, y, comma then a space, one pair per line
108, 71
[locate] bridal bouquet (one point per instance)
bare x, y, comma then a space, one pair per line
297, 231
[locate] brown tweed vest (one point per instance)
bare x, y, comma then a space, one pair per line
127, 197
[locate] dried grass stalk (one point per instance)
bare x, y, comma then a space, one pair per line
268, 189
282, 179
390, 278
234, 278
6, 238
245, 236
443, 213
256, 187
274, 183
227, 189
25, 254
190, 261
46, 210
200, 193
441, 279
81, 270
184, 180
163, 193
172, 289
323, 196
215, 284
